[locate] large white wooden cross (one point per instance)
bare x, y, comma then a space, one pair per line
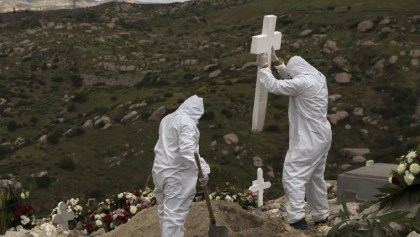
258, 186
63, 216
260, 44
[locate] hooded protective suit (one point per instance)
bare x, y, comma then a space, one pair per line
174, 170
309, 136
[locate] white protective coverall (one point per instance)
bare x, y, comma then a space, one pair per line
174, 170
309, 136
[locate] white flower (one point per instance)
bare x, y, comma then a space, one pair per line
415, 168
151, 195
218, 198
120, 195
408, 178
24, 195
78, 208
228, 198
107, 200
401, 168
24, 219
133, 209
411, 155
129, 195
98, 217
98, 223
390, 179
234, 196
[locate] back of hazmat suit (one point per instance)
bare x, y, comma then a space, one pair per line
174, 170
309, 136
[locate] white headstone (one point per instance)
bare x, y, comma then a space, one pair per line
63, 216
260, 44
258, 186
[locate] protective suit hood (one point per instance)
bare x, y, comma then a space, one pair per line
297, 66
193, 107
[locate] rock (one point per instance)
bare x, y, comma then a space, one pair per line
358, 159
88, 124
343, 78
358, 111
138, 105
340, 61
157, 115
42, 139
385, 21
295, 45
213, 143
414, 62
210, 67
231, 139
130, 117
342, 114
354, 151
414, 53
59, 27
324, 229
305, 33
3, 101
258, 162
334, 97
215, 73
368, 43
393, 59
330, 46
345, 166
413, 234
110, 25
270, 172
377, 69
347, 126
364, 132
249, 64
50, 24
364, 26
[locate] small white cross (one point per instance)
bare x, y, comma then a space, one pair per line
258, 186
63, 216
260, 44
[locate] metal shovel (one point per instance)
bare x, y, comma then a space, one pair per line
214, 231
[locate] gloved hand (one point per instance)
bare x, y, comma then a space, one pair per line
262, 60
203, 181
277, 61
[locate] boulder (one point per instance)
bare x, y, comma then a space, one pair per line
358, 159
305, 32
132, 116
354, 151
258, 162
414, 62
215, 73
231, 138
414, 53
157, 115
88, 124
393, 59
330, 46
364, 132
334, 97
358, 111
364, 26
42, 139
385, 21
343, 78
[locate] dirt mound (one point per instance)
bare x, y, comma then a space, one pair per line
238, 221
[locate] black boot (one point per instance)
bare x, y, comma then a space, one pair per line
300, 224
325, 221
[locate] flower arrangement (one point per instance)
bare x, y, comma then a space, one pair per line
117, 210
22, 211
233, 194
405, 179
408, 170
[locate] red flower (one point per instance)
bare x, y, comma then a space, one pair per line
92, 216
18, 213
265, 198
28, 209
19, 204
136, 192
106, 218
395, 181
123, 218
89, 227
127, 209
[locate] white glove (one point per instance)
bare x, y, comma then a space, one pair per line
274, 57
203, 181
262, 60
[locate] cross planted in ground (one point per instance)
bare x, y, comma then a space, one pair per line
260, 44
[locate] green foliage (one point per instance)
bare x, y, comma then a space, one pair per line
81, 97
227, 113
12, 126
55, 135
66, 163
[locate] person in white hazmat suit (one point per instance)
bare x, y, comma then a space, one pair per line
309, 136
174, 170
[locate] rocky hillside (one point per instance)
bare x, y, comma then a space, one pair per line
82, 91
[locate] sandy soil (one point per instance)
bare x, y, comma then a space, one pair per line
238, 221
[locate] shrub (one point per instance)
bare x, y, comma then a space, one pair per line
227, 113
54, 136
43, 181
81, 97
66, 163
12, 126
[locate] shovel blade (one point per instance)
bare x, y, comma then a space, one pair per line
218, 231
